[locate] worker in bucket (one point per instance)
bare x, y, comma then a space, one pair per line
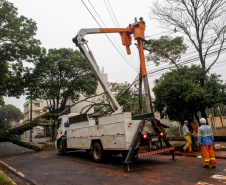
205, 139
141, 20
187, 137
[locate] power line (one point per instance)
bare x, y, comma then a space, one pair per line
197, 58
111, 35
107, 36
118, 27
158, 70
109, 13
114, 14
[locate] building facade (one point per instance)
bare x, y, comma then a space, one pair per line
32, 111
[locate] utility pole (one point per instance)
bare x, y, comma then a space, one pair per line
144, 75
30, 139
140, 93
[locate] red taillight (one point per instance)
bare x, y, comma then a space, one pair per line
161, 133
145, 136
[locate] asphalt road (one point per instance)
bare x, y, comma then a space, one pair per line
47, 167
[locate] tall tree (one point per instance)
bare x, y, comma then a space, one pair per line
8, 114
202, 21
60, 76
166, 49
180, 95
17, 44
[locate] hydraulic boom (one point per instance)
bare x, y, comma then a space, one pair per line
138, 31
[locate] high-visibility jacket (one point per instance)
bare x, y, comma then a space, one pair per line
185, 131
205, 135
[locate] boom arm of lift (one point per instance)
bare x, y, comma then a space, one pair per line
125, 33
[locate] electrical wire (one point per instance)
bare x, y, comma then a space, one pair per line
109, 13
118, 27
192, 57
107, 36
113, 14
164, 69
113, 37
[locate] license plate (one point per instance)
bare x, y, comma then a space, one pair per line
156, 138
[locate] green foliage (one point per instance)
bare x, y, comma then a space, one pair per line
17, 44
180, 94
48, 133
4, 180
8, 114
60, 76
128, 97
166, 49
39, 136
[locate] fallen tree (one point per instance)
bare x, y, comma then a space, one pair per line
42, 120
10, 134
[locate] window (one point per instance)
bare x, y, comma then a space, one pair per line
36, 104
36, 113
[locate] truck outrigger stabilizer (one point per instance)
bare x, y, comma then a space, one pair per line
149, 139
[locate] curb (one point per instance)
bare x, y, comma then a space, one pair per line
13, 182
19, 174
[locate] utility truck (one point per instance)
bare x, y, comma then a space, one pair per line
118, 133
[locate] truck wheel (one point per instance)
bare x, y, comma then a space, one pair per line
60, 148
97, 152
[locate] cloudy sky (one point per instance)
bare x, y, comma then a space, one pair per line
58, 22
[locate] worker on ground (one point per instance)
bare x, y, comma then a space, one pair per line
187, 137
141, 20
205, 139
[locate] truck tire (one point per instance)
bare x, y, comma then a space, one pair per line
98, 153
60, 148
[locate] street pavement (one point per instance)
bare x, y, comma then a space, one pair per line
47, 167
9, 149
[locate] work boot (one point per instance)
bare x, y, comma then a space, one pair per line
205, 166
213, 166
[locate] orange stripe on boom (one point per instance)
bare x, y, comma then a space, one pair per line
115, 30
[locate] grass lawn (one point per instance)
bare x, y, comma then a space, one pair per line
4, 180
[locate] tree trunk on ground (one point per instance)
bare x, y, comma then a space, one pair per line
8, 135
25, 144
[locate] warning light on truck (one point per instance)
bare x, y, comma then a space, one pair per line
145, 136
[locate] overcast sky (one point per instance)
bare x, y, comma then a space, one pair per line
58, 22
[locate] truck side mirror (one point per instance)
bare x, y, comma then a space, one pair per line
66, 124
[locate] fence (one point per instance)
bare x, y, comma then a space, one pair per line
217, 122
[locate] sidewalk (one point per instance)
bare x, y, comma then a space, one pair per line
37, 141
